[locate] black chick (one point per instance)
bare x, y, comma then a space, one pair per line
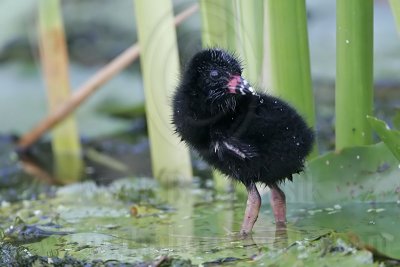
251, 137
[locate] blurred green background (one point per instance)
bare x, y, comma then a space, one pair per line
98, 30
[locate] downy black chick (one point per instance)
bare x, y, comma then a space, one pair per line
249, 136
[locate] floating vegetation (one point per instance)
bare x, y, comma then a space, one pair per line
134, 221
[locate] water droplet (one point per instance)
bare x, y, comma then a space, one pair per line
327, 162
297, 144
287, 128
275, 102
358, 156
37, 212
347, 41
341, 166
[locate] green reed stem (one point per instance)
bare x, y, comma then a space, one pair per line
354, 72
160, 69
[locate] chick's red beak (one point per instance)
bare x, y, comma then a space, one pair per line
238, 85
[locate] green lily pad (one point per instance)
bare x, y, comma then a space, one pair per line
365, 173
372, 225
328, 250
390, 137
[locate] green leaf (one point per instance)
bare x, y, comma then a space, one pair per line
364, 173
395, 5
390, 137
372, 226
328, 250
396, 120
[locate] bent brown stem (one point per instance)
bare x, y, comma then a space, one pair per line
252, 209
90, 86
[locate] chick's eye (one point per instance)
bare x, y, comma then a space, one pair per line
214, 74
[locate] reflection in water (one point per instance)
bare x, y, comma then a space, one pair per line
206, 226
34, 169
68, 168
281, 236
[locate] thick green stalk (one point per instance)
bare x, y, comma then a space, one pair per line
395, 4
160, 69
218, 30
250, 22
354, 72
288, 57
55, 68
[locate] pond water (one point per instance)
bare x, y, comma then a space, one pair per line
134, 220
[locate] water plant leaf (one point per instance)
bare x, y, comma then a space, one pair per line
395, 5
327, 250
22, 233
371, 226
396, 120
390, 137
363, 173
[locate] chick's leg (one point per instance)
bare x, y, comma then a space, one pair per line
278, 203
252, 209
